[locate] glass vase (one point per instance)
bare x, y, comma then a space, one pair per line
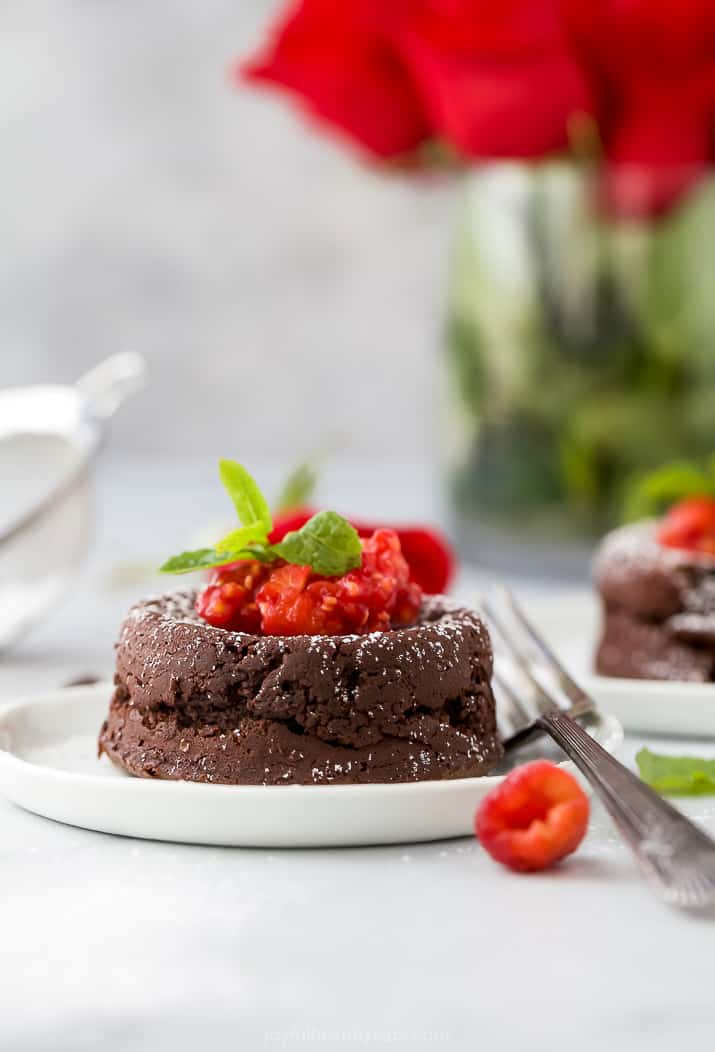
581, 354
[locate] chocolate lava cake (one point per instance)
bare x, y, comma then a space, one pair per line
205, 704
659, 608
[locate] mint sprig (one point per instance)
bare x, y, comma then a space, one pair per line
243, 537
677, 775
250, 504
327, 542
201, 559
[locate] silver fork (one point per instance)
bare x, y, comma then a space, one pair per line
676, 858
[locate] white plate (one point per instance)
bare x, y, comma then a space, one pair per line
49, 765
571, 623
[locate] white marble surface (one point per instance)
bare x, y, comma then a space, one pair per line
117, 944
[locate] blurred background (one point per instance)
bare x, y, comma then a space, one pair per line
280, 291
480, 279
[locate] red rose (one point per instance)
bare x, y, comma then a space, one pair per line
492, 77
652, 67
497, 77
504, 78
339, 57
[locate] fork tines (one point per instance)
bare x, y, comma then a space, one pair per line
528, 652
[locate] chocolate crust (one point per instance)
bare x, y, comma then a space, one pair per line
658, 608
202, 704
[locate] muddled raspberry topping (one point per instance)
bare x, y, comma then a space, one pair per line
429, 555
690, 525
229, 599
284, 599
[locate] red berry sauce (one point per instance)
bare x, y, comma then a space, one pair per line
286, 600
229, 599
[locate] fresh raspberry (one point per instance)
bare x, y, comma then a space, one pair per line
380, 593
408, 600
428, 555
229, 599
689, 524
534, 818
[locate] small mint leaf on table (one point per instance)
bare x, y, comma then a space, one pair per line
250, 504
677, 775
328, 543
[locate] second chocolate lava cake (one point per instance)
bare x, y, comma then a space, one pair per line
659, 608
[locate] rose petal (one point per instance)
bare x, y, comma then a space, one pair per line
656, 154
519, 109
497, 78
346, 71
652, 68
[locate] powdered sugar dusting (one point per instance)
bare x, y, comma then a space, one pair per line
359, 700
443, 618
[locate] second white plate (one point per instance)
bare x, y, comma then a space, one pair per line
571, 623
49, 765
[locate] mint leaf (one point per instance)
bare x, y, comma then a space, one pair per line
327, 543
650, 495
677, 775
263, 553
297, 489
201, 559
249, 502
242, 537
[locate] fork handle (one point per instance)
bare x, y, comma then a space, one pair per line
663, 840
